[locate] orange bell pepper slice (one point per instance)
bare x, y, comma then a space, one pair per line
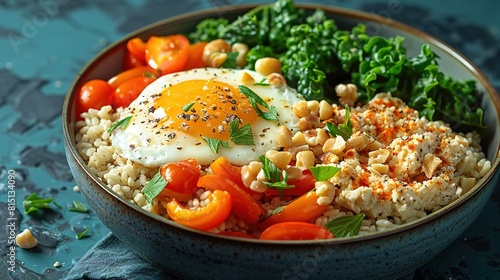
202, 218
243, 205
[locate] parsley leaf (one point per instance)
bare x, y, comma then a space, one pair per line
344, 130
275, 178
215, 144
78, 207
188, 106
121, 123
324, 172
83, 233
346, 225
33, 203
240, 135
255, 101
154, 187
230, 60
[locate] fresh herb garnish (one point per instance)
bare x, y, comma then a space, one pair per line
344, 129
150, 75
83, 233
276, 179
78, 207
33, 203
230, 60
154, 187
121, 123
262, 82
324, 172
240, 135
215, 144
188, 106
255, 101
345, 225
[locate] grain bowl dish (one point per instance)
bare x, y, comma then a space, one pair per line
342, 145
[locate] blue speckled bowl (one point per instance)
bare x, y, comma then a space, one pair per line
192, 254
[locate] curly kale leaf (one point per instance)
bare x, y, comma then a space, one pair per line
208, 30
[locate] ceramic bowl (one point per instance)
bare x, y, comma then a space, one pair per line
192, 254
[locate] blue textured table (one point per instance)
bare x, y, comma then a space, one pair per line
43, 44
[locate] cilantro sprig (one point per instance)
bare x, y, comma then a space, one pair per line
123, 123
276, 179
83, 233
324, 172
255, 101
238, 135
78, 207
344, 129
345, 225
33, 203
154, 187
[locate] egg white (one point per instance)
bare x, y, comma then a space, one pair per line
144, 142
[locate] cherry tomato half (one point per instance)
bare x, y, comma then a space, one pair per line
130, 90
203, 218
129, 61
167, 54
244, 206
94, 94
137, 48
303, 209
295, 231
182, 176
221, 166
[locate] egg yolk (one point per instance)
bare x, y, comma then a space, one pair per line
212, 106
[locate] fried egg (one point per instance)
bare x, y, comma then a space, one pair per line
173, 117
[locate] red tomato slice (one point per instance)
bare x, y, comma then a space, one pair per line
130, 90
182, 176
203, 218
94, 94
303, 209
295, 231
195, 59
137, 48
244, 206
131, 73
167, 54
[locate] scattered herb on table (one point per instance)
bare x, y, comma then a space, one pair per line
83, 233
33, 203
78, 207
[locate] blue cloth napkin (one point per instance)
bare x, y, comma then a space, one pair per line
111, 259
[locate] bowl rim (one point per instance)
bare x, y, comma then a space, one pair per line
69, 136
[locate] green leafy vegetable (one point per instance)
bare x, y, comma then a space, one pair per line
215, 144
276, 179
83, 233
345, 225
34, 203
154, 187
255, 101
344, 129
240, 135
121, 123
316, 56
78, 207
324, 172
188, 106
